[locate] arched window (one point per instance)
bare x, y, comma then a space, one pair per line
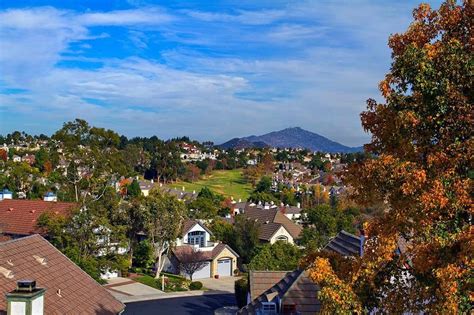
282, 238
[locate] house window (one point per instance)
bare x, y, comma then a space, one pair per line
282, 238
197, 238
269, 308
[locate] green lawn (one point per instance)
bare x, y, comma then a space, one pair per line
228, 183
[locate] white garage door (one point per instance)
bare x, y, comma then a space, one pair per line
205, 272
224, 267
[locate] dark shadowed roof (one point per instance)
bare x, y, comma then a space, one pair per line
35, 258
20, 216
346, 244
294, 288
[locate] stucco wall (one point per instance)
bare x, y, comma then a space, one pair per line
226, 253
281, 232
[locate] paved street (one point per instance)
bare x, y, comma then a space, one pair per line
199, 305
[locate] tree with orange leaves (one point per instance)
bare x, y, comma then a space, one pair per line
422, 137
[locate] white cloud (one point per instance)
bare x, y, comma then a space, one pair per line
148, 16
242, 16
311, 64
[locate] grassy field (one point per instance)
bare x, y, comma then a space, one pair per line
228, 183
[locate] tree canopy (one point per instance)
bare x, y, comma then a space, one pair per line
422, 139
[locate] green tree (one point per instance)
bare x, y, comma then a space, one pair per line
278, 256
134, 189
166, 218
246, 238
264, 185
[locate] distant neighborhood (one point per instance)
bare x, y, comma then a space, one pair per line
133, 217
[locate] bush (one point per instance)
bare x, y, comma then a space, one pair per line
241, 288
196, 285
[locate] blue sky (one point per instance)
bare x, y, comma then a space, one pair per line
212, 70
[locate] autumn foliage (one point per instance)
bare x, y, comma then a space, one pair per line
420, 252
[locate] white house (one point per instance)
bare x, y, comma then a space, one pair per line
219, 258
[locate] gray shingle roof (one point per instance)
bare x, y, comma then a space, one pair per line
346, 244
294, 288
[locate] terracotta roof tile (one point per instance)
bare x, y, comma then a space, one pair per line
80, 294
20, 216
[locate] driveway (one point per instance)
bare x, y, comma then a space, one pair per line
199, 305
125, 289
223, 284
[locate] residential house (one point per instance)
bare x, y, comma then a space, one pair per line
18, 218
29, 158
183, 195
219, 258
146, 186
273, 224
281, 292
56, 285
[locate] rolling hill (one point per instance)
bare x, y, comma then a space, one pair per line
295, 137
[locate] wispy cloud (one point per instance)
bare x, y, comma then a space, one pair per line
210, 73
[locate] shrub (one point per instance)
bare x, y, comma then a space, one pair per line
196, 285
241, 288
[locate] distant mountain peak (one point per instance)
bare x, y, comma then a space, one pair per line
291, 137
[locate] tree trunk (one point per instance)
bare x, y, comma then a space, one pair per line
159, 252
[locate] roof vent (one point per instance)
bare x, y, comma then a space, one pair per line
10, 262
32, 211
6, 272
41, 260
10, 209
58, 293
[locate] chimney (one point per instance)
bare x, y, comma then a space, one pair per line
26, 299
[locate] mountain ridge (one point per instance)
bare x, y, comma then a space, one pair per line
293, 137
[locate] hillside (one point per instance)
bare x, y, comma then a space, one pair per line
290, 138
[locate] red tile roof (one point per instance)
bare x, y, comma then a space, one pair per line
79, 293
20, 216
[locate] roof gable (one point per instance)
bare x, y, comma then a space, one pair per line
270, 221
293, 288
189, 224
